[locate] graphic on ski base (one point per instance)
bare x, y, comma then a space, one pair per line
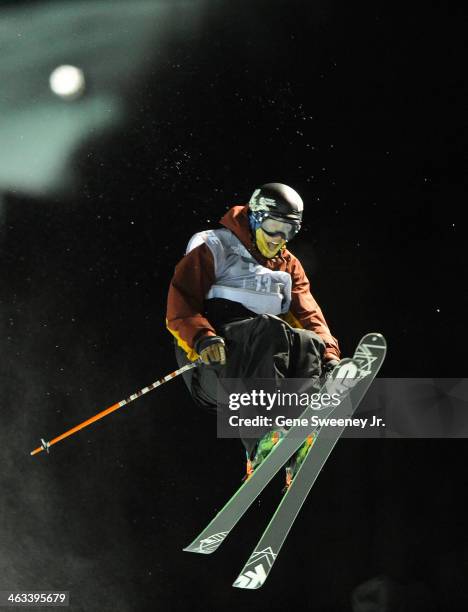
351, 378
209, 545
255, 577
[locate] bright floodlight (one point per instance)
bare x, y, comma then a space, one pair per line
67, 82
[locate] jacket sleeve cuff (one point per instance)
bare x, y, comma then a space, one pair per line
206, 341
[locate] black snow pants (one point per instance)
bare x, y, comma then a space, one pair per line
263, 346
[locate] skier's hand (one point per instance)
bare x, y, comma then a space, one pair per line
212, 350
329, 366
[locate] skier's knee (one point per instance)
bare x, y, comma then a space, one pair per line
311, 340
273, 322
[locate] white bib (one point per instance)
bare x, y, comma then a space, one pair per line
239, 276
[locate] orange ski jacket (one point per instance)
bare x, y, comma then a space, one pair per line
195, 274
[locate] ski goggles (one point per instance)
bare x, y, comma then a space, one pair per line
278, 225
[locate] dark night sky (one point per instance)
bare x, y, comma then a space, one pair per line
359, 109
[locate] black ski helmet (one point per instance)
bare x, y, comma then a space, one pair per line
278, 200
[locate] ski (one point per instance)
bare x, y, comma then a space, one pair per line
219, 528
369, 356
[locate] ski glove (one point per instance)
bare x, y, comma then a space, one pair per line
211, 350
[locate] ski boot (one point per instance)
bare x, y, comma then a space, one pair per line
295, 462
263, 448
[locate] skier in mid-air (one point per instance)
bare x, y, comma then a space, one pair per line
240, 300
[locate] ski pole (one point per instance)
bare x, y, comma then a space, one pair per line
46, 445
